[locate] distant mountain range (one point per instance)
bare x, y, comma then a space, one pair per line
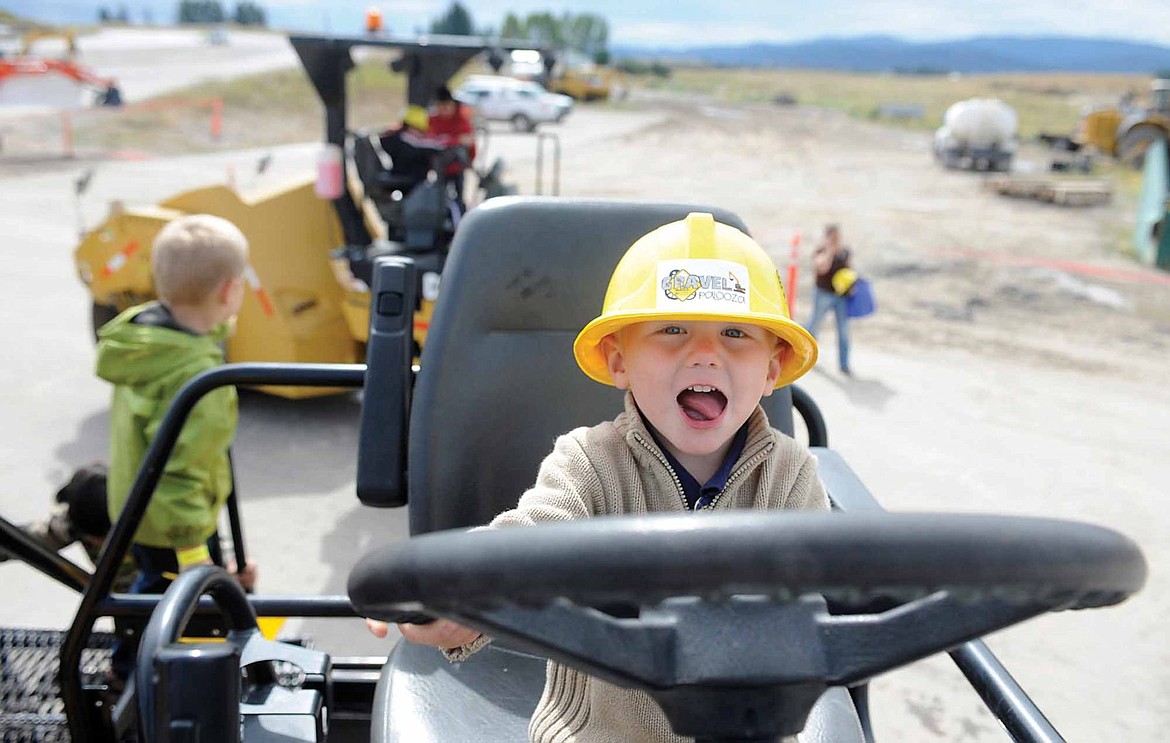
886, 53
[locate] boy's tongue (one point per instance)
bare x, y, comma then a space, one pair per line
702, 406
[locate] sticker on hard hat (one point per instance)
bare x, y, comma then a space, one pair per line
702, 285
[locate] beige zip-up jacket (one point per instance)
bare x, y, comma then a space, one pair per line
617, 468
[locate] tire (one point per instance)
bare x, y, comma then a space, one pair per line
522, 123
1131, 150
100, 314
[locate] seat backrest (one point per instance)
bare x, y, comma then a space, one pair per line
367, 163
497, 380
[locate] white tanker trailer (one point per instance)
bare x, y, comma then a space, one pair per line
979, 134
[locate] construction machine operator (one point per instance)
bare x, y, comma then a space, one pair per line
411, 150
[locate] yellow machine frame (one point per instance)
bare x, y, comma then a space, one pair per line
295, 309
303, 305
1126, 134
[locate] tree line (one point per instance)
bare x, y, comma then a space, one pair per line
586, 33
245, 13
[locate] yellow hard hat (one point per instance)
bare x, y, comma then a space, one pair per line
843, 280
696, 269
417, 117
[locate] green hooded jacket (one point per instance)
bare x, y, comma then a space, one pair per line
148, 363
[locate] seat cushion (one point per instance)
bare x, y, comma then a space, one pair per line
833, 719
423, 698
489, 698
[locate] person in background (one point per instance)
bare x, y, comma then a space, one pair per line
412, 151
829, 258
450, 125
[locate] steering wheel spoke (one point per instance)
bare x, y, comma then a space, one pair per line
863, 646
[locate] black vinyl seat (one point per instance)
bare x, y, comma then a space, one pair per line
497, 383
378, 180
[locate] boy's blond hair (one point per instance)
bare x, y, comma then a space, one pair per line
194, 255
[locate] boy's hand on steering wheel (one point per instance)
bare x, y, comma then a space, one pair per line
441, 633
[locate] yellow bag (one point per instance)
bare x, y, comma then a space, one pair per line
843, 280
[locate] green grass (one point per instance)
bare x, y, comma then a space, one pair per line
269, 108
282, 107
1045, 102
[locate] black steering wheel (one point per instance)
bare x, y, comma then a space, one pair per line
724, 624
170, 618
217, 702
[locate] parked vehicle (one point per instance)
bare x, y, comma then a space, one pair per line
978, 134
523, 103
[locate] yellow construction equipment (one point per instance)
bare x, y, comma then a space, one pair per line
593, 83
311, 252
1126, 131
293, 309
31, 37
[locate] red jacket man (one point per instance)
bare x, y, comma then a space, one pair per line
451, 126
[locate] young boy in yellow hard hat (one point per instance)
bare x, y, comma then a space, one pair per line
695, 328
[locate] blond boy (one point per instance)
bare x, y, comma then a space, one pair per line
148, 352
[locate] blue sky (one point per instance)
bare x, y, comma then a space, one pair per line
695, 22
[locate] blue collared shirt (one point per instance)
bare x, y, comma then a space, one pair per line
700, 496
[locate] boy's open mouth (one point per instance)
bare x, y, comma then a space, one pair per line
702, 402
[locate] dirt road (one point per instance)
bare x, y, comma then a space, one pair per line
983, 383
990, 380
949, 260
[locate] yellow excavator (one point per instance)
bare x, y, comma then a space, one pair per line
311, 257
1127, 131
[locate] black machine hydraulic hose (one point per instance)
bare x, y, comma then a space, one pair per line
814, 421
25, 548
118, 541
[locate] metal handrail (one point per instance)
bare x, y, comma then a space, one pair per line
118, 542
541, 137
810, 413
1004, 697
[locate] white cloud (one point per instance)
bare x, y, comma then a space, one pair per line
909, 19
693, 22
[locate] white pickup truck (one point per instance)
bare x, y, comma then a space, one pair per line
523, 103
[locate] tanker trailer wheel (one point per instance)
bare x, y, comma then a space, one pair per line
1131, 150
100, 314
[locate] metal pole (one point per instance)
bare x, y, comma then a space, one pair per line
234, 522
1003, 696
539, 161
556, 165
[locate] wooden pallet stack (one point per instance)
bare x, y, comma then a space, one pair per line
1054, 190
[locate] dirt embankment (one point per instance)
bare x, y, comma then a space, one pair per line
953, 264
